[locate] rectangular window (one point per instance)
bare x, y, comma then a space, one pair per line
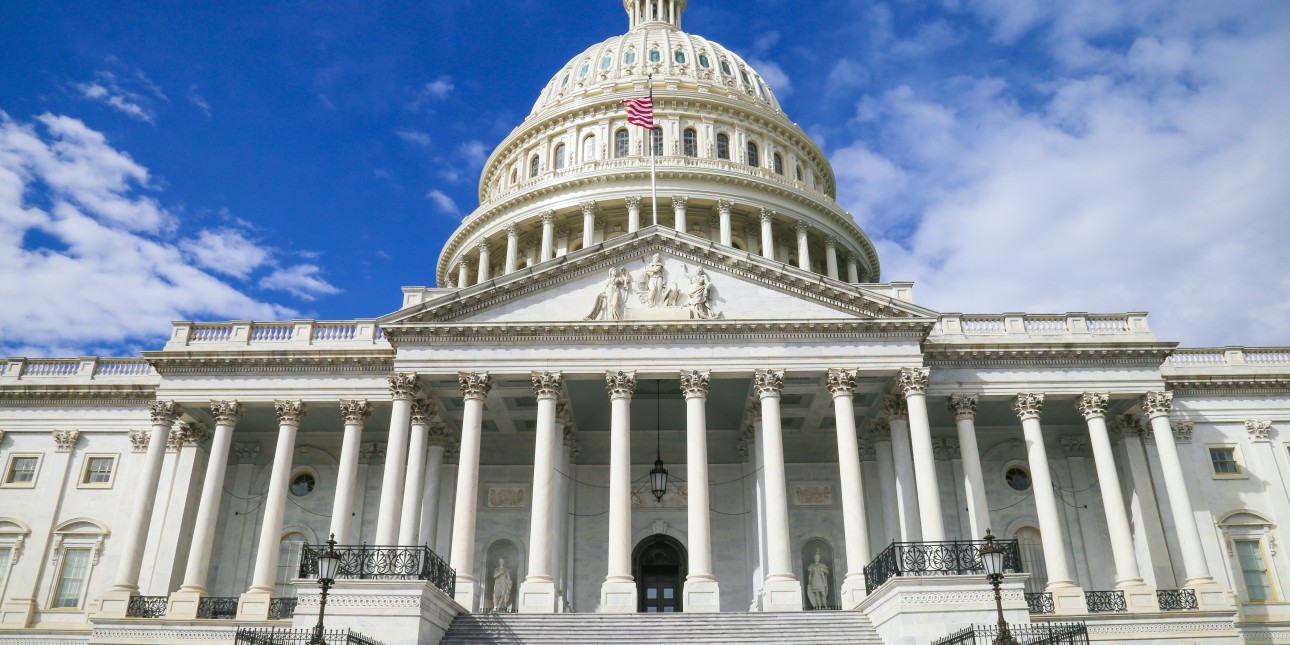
22, 470
71, 578
5, 553
98, 470
1224, 461
1254, 571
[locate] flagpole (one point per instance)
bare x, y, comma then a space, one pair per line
653, 178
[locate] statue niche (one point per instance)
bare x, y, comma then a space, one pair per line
655, 296
818, 575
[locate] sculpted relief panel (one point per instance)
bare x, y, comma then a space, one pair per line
652, 289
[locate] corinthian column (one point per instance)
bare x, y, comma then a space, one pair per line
831, 256
254, 604
512, 248
964, 408
633, 213
403, 388
902, 457
803, 246
678, 211
701, 591
548, 236
853, 271
767, 234
723, 215
782, 590
414, 482
618, 592
537, 592
474, 387
355, 414
438, 439
485, 264
588, 224
913, 383
842, 384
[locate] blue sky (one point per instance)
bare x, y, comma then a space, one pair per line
234, 160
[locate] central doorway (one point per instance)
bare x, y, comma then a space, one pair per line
658, 564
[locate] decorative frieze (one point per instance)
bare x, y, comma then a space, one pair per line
694, 383
895, 407
226, 413
963, 406
1182, 430
547, 385
506, 497
812, 494
474, 385
620, 384
768, 382
290, 413
246, 452
403, 385
1157, 404
913, 380
840, 382
1075, 445
65, 440
1028, 405
139, 439
355, 411
164, 413
1260, 429
1092, 404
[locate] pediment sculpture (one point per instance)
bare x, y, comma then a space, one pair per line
652, 290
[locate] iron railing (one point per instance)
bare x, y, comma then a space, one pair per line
826, 607
1177, 599
281, 608
217, 607
957, 557
364, 562
1105, 601
147, 606
1040, 603
270, 636
1031, 634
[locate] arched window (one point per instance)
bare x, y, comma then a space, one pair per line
753, 158
723, 146
690, 142
559, 157
534, 166
779, 164
622, 143
589, 148
656, 138
76, 548
289, 551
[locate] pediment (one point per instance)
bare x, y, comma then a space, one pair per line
657, 275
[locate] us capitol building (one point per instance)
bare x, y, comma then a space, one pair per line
727, 413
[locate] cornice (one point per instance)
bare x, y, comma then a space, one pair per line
78, 395
1244, 385
1067, 354
369, 361
685, 331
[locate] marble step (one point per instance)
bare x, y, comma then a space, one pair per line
816, 628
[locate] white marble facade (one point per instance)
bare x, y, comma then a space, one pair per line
501, 414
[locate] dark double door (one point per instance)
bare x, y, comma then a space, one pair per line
660, 563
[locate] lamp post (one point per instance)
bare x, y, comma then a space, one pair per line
992, 558
328, 565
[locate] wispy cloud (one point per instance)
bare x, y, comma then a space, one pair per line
198, 101
303, 281
135, 95
226, 251
443, 202
436, 90
774, 76
414, 137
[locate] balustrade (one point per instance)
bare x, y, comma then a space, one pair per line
1177, 599
271, 636
956, 557
1105, 601
1032, 634
364, 562
147, 606
217, 607
282, 608
1040, 603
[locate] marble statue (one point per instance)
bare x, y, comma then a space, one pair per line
502, 587
654, 278
611, 302
817, 583
700, 293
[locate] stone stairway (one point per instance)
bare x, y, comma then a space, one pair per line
815, 628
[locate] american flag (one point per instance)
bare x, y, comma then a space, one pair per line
641, 111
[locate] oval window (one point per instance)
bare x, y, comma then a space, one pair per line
704, 62
303, 484
654, 56
1018, 479
586, 67
564, 81
605, 62
725, 68
744, 75
629, 57
680, 57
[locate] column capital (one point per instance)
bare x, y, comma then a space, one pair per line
946, 448
564, 412
290, 413
422, 411
1183, 430
1092, 404
474, 385
164, 413
139, 439
355, 411
599, 222
895, 407
1028, 405
371, 452
830, 242
563, 231
724, 205
588, 207
963, 406
768, 383
680, 201
633, 201
547, 385
246, 452
880, 430
568, 436
620, 384
65, 440
1157, 404
865, 450
547, 216
466, 262
1260, 429
801, 226
439, 434
841, 382
483, 247
226, 413
185, 434
752, 413
1130, 425
767, 214
403, 385
913, 380
694, 383
1074, 445
513, 230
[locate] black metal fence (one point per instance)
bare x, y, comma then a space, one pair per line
956, 557
270, 636
1105, 601
281, 608
1032, 634
217, 607
364, 562
147, 606
1177, 599
825, 607
1040, 603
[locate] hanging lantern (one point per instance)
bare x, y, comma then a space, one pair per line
658, 477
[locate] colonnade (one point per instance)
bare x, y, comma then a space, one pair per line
903, 448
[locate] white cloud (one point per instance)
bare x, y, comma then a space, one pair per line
225, 251
436, 90
107, 88
414, 137
198, 101
1151, 178
302, 281
774, 76
443, 202
474, 152
84, 248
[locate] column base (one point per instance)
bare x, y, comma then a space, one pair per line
1212, 596
254, 604
853, 591
1068, 599
537, 597
183, 605
1139, 597
466, 593
618, 597
781, 594
17, 612
701, 596
114, 603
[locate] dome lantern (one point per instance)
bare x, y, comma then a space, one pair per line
646, 12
